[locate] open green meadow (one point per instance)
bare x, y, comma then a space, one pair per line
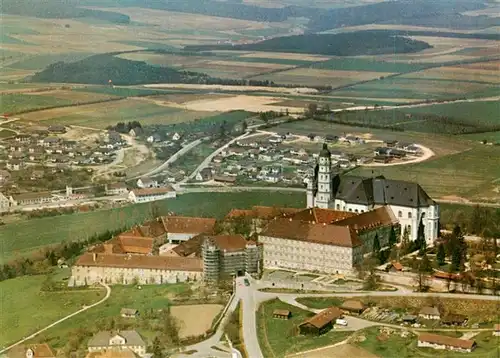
279, 338
5, 133
26, 309
21, 238
362, 64
148, 297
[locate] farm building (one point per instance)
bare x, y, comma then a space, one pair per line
409, 318
57, 129
204, 174
428, 312
147, 182
31, 198
320, 323
436, 341
151, 194
454, 320
116, 189
282, 314
353, 306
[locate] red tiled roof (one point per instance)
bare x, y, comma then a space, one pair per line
188, 225
382, 216
229, 242
324, 317
317, 233
140, 261
263, 212
322, 216
193, 245
153, 228
136, 245
446, 340
397, 265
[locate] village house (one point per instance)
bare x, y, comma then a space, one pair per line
23, 138
204, 175
321, 322
436, 341
4, 203
224, 179
147, 182
454, 320
42, 350
116, 189
31, 198
16, 155
91, 268
135, 132
429, 312
129, 313
51, 141
151, 194
119, 340
57, 129
125, 243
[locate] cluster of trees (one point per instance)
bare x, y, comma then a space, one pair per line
342, 44
44, 261
122, 127
270, 115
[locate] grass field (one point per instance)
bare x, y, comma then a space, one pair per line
487, 346
5, 133
278, 337
102, 115
148, 297
26, 309
13, 102
26, 237
417, 88
320, 302
472, 174
366, 64
484, 112
314, 76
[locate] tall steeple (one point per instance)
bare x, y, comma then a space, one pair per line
324, 194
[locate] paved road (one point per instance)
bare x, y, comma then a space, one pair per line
208, 159
173, 158
108, 293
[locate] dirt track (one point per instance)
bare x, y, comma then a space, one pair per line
195, 320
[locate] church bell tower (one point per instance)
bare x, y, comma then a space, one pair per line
324, 193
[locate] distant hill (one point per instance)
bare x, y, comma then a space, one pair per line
343, 44
58, 9
99, 69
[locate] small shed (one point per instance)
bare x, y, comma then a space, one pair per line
129, 312
320, 323
409, 318
282, 314
353, 306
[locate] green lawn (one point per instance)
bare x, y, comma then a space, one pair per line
148, 297
279, 338
488, 346
189, 161
25, 237
492, 137
320, 302
25, 309
121, 91
14, 102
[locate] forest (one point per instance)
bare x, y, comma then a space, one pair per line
343, 44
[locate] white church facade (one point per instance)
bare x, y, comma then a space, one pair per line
408, 201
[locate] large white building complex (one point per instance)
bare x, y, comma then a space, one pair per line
408, 201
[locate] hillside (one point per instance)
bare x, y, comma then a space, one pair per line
344, 44
99, 69
58, 9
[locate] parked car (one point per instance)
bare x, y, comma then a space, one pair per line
247, 283
341, 322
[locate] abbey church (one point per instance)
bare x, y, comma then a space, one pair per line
408, 201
